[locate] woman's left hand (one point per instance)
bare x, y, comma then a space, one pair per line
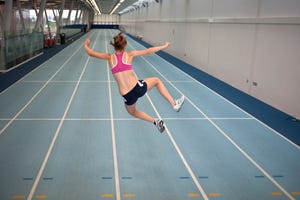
167, 44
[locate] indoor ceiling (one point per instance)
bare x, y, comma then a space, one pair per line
105, 6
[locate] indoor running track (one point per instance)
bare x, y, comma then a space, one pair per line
65, 134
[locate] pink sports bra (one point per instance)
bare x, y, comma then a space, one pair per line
120, 66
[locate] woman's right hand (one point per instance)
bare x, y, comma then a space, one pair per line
87, 42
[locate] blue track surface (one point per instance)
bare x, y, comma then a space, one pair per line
65, 134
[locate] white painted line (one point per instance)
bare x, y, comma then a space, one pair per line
118, 119
87, 119
270, 128
187, 166
38, 119
204, 118
267, 126
52, 58
231, 140
41, 170
113, 134
59, 81
38, 92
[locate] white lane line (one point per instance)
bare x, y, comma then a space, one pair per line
187, 166
231, 140
59, 81
38, 92
113, 134
44, 63
259, 121
118, 119
41, 170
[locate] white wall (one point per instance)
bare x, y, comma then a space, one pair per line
106, 19
241, 42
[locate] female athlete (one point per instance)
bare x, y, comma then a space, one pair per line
129, 86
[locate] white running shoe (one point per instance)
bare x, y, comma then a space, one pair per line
179, 103
160, 125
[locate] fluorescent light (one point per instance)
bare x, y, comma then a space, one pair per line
115, 8
136, 5
94, 6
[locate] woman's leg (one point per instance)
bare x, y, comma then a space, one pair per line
156, 82
141, 115
138, 114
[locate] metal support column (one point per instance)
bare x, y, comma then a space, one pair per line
21, 15
8, 15
80, 17
76, 15
69, 14
40, 15
59, 20
2, 21
47, 22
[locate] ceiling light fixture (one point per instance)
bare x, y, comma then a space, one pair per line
138, 4
117, 5
94, 6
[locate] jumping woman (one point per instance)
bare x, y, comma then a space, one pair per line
129, 86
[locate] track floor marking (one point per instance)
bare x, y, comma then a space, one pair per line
187, 166
18, 197
214, 194
276, 193
113, 135
41, 170
107, 195
61, 81
38, 92
227, 137
129, 195
41, 196
22, 79
116, 119
193, 195
262, 123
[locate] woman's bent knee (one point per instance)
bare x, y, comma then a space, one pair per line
131, 110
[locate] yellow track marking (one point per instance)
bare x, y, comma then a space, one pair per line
129, 195
107, 195
42, 196
18, 196
193, 195
276, 193
214, 194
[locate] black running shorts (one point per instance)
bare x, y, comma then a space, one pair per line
138, 91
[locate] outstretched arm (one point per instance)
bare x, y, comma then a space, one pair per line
149, 50
93, 53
